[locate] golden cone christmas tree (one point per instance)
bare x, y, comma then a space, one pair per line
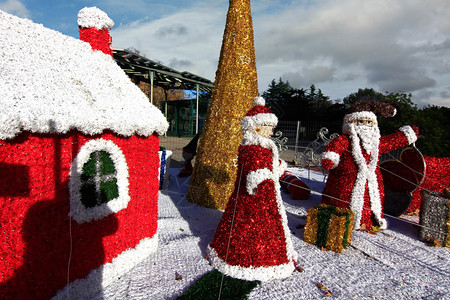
236, 85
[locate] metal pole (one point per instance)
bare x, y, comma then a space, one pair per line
296, 138
165, 114
152, 75
196, 110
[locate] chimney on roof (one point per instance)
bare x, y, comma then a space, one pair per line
94, 25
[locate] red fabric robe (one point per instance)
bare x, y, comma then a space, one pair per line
341, 190
258, 246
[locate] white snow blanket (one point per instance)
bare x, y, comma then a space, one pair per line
53, 83
393, 264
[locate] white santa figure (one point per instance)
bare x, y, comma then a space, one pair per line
252, 240
355, 180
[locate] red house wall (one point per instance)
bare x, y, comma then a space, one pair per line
42, 250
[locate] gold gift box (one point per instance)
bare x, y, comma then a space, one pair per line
329, 226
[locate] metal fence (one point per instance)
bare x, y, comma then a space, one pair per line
300, 135
297, 135
298, 131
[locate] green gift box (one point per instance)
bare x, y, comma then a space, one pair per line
329, 226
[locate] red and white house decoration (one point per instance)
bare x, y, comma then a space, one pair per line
78, 166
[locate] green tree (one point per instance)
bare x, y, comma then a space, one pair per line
279, 97
319, 103
278, 91
292, 104
434, 122
363, 94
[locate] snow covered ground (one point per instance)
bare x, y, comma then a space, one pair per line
393, 264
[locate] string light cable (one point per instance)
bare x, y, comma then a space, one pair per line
231, 229
366, 208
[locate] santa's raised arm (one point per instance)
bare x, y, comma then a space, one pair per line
355, 180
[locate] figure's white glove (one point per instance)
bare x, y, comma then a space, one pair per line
256, 177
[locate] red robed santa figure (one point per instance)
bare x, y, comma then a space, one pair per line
355, 180
252, 240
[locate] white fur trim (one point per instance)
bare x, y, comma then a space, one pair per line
333, 156
248, 122
259, 101
250, 273
78, 211
348, 118
281, 168
108, 273
290, 252
256, 177
409, 133
383, 223
366, 173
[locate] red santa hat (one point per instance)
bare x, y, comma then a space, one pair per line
368, 109
258, 115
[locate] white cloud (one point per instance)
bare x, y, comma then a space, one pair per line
15, 7
388, 45
190, 38
340, 46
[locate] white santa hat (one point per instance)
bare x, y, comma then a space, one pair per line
258, 115
367, 109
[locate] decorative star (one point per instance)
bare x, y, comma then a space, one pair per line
245, 59
235, 162
231, 37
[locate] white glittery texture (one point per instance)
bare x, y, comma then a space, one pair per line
409, 133
254, 178
93, 17
392, 264
333, 156
110, 272
366, 174
52, 83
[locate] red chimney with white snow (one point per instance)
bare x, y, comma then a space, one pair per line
94, 27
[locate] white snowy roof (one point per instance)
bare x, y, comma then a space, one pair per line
50, 82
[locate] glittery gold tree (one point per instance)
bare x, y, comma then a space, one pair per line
236, 85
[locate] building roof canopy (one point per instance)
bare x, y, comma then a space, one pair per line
140, 67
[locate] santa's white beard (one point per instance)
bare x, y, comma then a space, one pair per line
369, 136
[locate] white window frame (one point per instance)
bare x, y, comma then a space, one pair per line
78, 211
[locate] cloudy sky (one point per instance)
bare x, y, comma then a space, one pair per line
338, 45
